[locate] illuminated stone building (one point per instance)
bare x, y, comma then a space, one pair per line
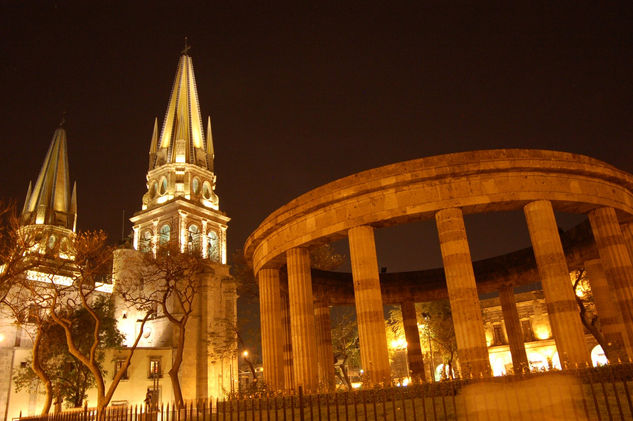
49, 216
180, 206
540, 347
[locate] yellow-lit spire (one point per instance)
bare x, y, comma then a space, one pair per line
50, 201
210, 151
154, 145
182, 136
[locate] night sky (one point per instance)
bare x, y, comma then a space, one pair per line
304, 94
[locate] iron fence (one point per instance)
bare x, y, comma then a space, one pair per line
602, 393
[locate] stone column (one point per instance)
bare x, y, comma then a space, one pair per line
287, 342
324, 342
369, 309
462, 294
302, 320
611, 322
513, 329
559, 295
412, 335
272, 336
627, 233
615, 260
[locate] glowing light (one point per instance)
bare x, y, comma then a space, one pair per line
209, 204
102, 287
542, 332
245, 354
356, 385
537, 361
162, 199
399, 343
33, 275
442, 370
597, 356
1, 337
498, 367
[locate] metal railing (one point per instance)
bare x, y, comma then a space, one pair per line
602, 393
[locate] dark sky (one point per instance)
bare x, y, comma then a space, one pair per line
301, 95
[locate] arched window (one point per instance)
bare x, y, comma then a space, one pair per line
213, 246
163, 186
193, 240
146, 241
165, 234
206, 190
196, 185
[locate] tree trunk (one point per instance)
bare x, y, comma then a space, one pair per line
609, 352
175, 367
41, 374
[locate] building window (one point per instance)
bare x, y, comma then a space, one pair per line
118, 364
528, 333
499, 337
196, 185
213, 249
193, 240
163, 186
165, 234
206, 190
155, 368
146, 241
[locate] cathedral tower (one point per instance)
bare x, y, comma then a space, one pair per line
180, 203
181, 206
50, 208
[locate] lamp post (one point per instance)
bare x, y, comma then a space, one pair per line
250, 366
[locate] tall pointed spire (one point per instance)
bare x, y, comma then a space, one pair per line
28, 195
73, 205
49, 202
182, 136
153, 146
210, 151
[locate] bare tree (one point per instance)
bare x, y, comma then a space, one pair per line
15, 244
76, 284
28, 311
170, 281
588, 314
345, 345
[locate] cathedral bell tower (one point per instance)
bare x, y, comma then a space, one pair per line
181, 207
49, 214
180, 203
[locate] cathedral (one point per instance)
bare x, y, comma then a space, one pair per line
180, 207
